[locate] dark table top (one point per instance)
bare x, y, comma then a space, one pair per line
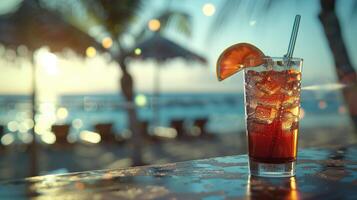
321, 174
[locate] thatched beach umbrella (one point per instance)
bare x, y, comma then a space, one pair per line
36, 27
161, 49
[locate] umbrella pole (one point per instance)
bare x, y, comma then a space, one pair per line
156, 105
33, 146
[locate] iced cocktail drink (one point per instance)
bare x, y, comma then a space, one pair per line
272, 100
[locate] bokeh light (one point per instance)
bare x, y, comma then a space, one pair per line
49, 62
22, 50
165, 132
41, 127
342, 109
322, 104
7, 139
208, 9
22, 128
252, 23
140, 100
89, 136
107, 42
154, 25
26, 138
45, 117
91, 52
12, 126
137, 51
48, 137
47, 107
77, 123
62, 113
28, 123
10, 54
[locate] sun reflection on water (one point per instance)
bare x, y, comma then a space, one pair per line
89, 136
7, 139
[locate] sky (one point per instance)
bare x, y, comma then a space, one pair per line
268, 30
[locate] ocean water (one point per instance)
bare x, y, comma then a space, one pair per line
224, 111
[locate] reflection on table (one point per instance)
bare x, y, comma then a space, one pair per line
321, 174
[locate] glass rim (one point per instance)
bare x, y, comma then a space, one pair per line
283, 58
281, 62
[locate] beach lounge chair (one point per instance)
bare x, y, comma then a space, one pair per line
179, 126
145, 132
105, 131
144, 126
199, 128
61, 132
2, 130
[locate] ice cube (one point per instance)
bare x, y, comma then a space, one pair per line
268, 87
286, 125
251, 105
287, 115
292, 84
258, 93
252, 73
286, 92
265, 114
294, 71
294, 126
269, 64
294, 77
253, 77
256, 78
270, 100
294, 110
253, 91
279, 76
256, 127
288, 119
290, 101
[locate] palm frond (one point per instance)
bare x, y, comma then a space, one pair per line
227, 11
179, 20
141, 34
269, 4
114, 15
73, 12
354, 10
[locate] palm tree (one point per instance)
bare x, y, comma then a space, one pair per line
345, 71
115, 17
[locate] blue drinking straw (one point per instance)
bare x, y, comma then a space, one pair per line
293, 37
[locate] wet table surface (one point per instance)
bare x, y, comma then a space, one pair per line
321, 174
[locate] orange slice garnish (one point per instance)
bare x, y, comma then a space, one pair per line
236, 58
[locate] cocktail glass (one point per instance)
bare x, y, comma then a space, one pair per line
272, 100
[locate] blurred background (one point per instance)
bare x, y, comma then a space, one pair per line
100, 84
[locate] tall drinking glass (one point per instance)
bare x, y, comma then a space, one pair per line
272, 100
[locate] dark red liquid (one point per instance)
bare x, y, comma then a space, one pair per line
271, 145
272, 108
